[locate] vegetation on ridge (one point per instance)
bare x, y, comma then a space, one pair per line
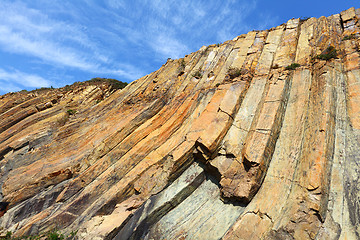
115, 84
327, 54
181, 67
52, 235
182, 63
292, 66
71, 111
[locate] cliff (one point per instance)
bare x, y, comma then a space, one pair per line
256, 138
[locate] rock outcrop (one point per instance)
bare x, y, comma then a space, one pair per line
256, 138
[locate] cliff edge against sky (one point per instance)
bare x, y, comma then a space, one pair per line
255, 138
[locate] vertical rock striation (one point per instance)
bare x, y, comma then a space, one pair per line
230, 142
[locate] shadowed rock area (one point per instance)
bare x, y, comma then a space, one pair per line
234, 141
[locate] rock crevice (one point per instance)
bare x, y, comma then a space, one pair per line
233, 141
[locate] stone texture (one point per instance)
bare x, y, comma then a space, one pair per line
270, 153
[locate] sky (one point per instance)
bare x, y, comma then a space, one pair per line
54, 43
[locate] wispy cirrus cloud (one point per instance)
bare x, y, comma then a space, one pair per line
173, 28
28, 31
15, 80
168, 46
55, 42
48, 52
112, 38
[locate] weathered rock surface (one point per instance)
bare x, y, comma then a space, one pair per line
193, 152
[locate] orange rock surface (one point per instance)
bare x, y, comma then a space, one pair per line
191, 151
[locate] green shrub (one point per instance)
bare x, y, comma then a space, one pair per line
328, 54
71, 111
52, 235
72, 234
181, 67
8, 235
42, 89
55, 235
292, 66
115, 84
67, 88
182, 63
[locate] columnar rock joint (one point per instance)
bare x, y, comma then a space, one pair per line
226, 143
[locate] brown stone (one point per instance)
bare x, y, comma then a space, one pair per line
272, 153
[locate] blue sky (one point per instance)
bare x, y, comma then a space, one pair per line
53, 43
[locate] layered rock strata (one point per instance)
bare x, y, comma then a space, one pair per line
227, 143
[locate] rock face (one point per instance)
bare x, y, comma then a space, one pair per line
229, 142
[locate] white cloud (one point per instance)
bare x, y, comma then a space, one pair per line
116, 3
45, 50
6, 87
167, 46
28, 31
58, 43
115, 37
173, 28
123, 70
165, 26
15, 77
266, 21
